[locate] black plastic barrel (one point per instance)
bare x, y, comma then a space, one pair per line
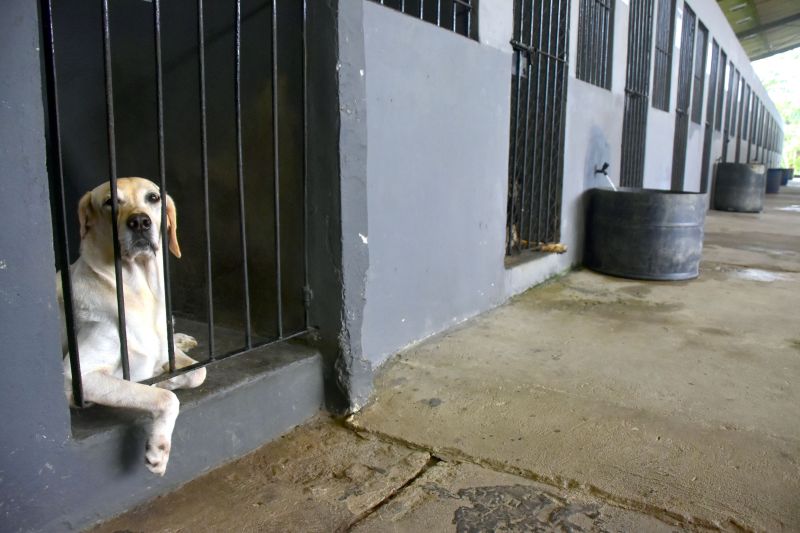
774, 178
740, 187
788, 174
644, 233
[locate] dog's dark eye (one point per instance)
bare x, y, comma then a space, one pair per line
107, 203
152, 197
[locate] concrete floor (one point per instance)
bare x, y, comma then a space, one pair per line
589, 403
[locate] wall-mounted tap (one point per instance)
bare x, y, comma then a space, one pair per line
604, 171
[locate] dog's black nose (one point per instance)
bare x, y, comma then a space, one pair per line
139, 222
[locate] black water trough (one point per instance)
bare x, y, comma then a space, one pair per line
788, 174
774, 180
644, 233
740, 187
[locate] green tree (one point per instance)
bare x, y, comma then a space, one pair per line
778, 74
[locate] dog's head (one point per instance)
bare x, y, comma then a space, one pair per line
138, 218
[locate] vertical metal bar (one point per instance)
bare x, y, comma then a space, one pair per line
276, 162
201, 45
525, 181
240, 171
562, 91
513, 144
512, 192
469, 19
306, 286
552, 173
61, 233
422, 9
438, 12
162, 169
550, 102
537, 130
112, 156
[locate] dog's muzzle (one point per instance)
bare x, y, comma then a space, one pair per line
140, 234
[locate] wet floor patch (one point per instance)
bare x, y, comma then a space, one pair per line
755, 274
795, 208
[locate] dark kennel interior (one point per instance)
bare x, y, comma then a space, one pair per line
233, 147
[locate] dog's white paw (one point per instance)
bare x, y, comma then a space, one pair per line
184, 342
157, 454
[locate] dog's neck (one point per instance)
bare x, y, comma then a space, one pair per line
145, 268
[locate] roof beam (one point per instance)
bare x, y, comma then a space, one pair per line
769, 53
768, 26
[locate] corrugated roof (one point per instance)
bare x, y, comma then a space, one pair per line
764, 27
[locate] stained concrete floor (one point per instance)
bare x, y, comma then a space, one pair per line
589, 403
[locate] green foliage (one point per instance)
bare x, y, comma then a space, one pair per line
778, 74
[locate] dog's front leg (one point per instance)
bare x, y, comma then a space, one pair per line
189, 380
101, 388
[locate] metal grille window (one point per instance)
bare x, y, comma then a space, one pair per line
208, 100
460, 16
739, 110
723, 62
538, 102
701, 49
662, 70
730, 102
637, 93
709, 125
735, 102
595, 42
746, 116
684, 97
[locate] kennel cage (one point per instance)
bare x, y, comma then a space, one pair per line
208, 100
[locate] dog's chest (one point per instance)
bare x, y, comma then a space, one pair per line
147, 333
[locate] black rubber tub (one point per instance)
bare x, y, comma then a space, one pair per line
740, 187
774, 180
645, 233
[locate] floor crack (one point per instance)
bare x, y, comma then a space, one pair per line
693, 523
432, 461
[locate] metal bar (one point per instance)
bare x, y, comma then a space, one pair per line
204, 163
276, 161
240, 170
527, 136
438, 12
532, 50
552, 151
544, 171
61, 232
306, 285
537, 130
112, 156
722, 71
162, 169
195, 366
512, 182
562, 116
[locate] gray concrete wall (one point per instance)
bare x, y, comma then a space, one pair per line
435, 245
437, 125
52, 477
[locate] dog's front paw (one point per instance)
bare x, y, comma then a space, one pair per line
156, 454
184, 342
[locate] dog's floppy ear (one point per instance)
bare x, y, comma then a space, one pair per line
172, 227
85, 213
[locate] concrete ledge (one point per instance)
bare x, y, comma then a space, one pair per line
245, 402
